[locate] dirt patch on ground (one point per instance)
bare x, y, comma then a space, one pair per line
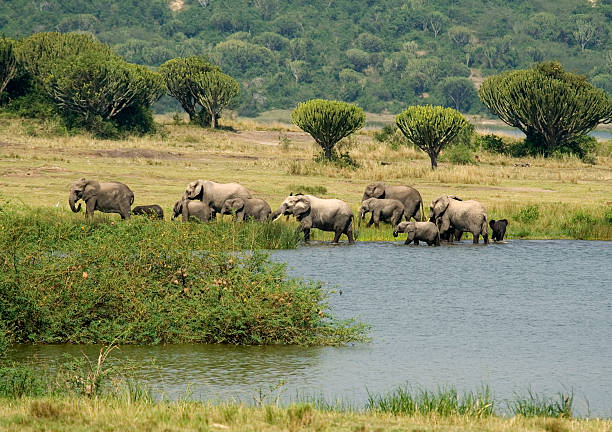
273, 137
508, 189
136, 154
34, 172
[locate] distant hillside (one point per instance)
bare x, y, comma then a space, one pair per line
380, 54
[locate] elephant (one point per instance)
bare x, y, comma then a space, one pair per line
423, 231
107, 197
153, 211
387, 210
189, 208
409, 196
499, 229
324, 214
214, 194
451, 213
255, 208
451, 235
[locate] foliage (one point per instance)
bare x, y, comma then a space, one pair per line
552, 107
534, 405
459, 155
459, 92
214, 91
391, 135
178, 75
8, 63
64, 280
328, 121
431, 128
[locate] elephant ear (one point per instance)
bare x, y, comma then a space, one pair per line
440, 206
491, 223
301, 207
178, 208
194, 189
379, 190
238, 204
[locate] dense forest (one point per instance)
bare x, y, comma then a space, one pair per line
379, 54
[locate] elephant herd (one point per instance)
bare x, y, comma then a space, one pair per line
450, 216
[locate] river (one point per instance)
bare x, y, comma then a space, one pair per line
525, 315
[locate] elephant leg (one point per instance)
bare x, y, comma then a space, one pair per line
371, 220
407, 242
376, 217
306, 234
416, 242
349, 234
485, 237
240, 216
337, 235
475, 241
90, 206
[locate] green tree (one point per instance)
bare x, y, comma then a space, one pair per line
431, 128
550, 106
93, 85
328, 121
458, 92
179, 75
214, 91
8, 63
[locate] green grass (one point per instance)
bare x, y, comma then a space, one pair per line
67, 280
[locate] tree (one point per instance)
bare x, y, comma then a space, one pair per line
93, 85
458, 92
8, 63
214, 90
179, 74
550, 106
328, 121
586, 33
431, 128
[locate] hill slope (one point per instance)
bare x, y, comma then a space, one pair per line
381, 54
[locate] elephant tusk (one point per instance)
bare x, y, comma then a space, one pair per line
277, 218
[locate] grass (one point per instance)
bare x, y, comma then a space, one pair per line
38, 163
65, 280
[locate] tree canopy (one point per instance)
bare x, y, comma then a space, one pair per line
551, 106
328, 121
431, 128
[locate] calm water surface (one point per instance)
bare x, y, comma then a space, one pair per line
517, 316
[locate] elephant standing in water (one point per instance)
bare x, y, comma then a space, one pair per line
214, 194
450, 213
324, 214
409, 196
499, 229
387, 210
423, 231
255, 208
108, 197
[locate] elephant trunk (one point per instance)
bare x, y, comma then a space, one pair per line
361, 214
72, 201
365, 197
395, 232
276, 214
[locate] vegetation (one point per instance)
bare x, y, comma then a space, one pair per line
328, 121
64, 280
83, 82
553, 108
431, 128
199, 87
381, 54
8, 63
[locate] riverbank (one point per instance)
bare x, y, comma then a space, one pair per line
82, 414
558, 198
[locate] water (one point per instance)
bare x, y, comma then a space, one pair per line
523, 315
599, 134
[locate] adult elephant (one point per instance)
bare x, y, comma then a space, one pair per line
409, 196
324, 214
214, 194
467, 216
107, 197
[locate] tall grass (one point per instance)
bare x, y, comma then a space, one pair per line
65, 280
444, 402
534, 405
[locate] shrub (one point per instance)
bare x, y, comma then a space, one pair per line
459, 155
528, 214
491, 143
65, 280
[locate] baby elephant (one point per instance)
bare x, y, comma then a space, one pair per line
424, 231
386, 210
189, 208
499, 229
254, 208
153, 211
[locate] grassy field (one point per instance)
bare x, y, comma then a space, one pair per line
552, 198
82, 414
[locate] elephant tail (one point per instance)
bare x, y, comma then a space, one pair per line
423, 218
132, 198
354, 228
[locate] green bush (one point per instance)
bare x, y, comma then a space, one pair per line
65, 280
491, 143
21, 380
459, 155
528, 214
